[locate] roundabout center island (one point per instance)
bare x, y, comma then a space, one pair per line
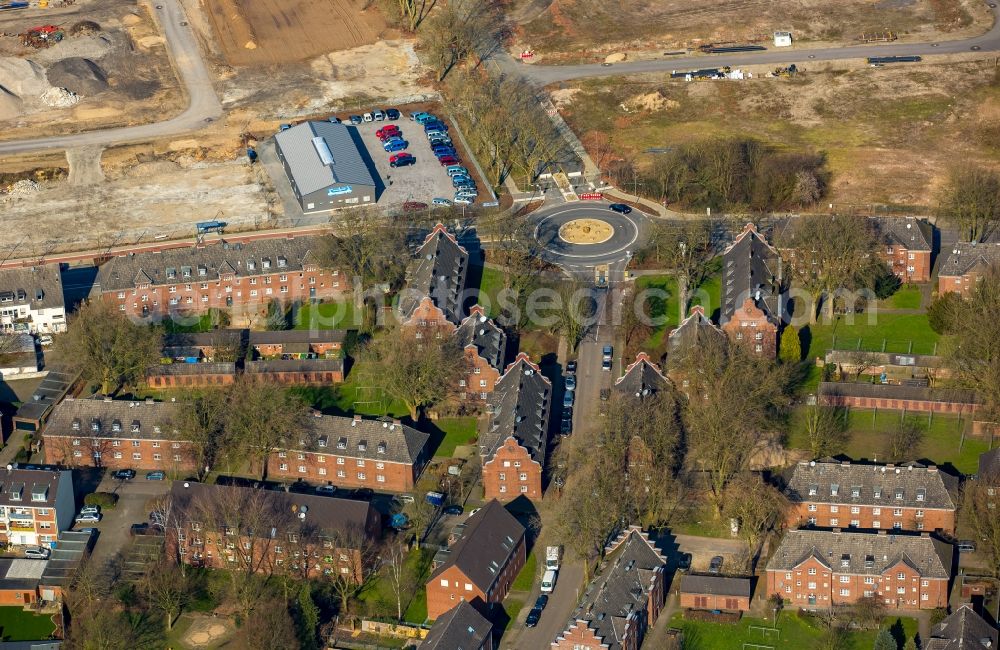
586, 231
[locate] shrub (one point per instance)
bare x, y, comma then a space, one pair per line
102, 499
941, 313
790, 350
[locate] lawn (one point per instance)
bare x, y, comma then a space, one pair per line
943, 443
908, 297
526, 578
512, 607
491, 284
456, 431
380, 599
794, 632
327, 316
659, 307
189, 324
354, 396
19, 625
899, 333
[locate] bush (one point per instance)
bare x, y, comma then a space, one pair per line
941, 313
102, 499
790, 350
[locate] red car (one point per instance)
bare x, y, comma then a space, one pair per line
401, 160
448, 160
413, 206
387, 132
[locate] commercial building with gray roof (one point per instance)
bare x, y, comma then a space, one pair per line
327, 166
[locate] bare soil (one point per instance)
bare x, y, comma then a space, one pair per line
588, 29
264, 32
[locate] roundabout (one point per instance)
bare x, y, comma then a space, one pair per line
582, 235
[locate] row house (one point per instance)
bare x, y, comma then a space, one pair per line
435, 282
835, 494
35, 505
751, 310
485, 346
963, 629
712, 592
293, 372
216, 346
964, 264
31, 300
906, 246
751, 328
462, 627
889, 367
641, 378
297, 344
480, 566
268, 531
813, 569
514, 440
241, 278
353, 452
118, 434
623, 602
918, 399
191, 375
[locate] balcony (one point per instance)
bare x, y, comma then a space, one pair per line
22, 527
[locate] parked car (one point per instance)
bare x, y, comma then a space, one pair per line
549, 581
571, 367
333, 119
36, 552
683, 561
387, 131
570, 382
419, 114
421, 117
620, 208
435, 134
413, 206
156, 476
457, 169
90, 510
606, 365
443, 148
45, 340
378, 115
406, 498
356, 119
436, 125
89, 518
466, 194
368, 117
966, 546
392, 114
533, 617
454, 510
438, 141
123, 474
284, 127
396, 145
567, 399
541, 601
463, 200
441, 202
715, 565
447, 160
607, 352
144, 529
402, 160
565, 427
326, 489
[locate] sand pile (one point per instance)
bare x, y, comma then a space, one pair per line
78, 75
22, 77
651, 102
11, 105
59, 98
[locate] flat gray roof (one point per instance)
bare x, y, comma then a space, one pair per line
321, 154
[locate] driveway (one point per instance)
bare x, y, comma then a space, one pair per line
131, 509
562, 602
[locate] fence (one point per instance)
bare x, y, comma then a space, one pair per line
894, 346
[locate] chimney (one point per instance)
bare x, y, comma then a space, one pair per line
882, 532
932, 468
357, 418
398, 423
836, 531
107, 398
925, 534
845, 462
149, 400
890, 465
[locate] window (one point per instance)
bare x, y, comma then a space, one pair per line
876, 511
283, 467
855, 523
302, 469
136, 456
876, 524
340, 461
897, 512
900, 576
834, 509
845, 579
855, 510
341, 473
380, 478
811, 585
812, 507
524, 489
924, 597
925, 583
869, 580
856, 491
812, 571
899, 493
177, 458
845, 592
834, 522
361, 476
920, 513
921, 493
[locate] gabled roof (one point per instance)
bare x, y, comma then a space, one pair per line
907, 486
120, 418
39, 287
751, 268
36, 488
460, 628
285, 337
620, 588
213, 339
962, 257
694, 331
909, 232
862, 553
488, 541
207, 263
482, 333
438, 272
964, 629
374, 439
519, 406
339, 162
641, 377
835, 389
715, 585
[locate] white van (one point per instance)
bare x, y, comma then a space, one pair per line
368, 117
549, 581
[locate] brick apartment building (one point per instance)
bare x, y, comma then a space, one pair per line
751, 270
751, 327
906, 247
964, 629
35, 505
814, 569
354, 452
694, 332
850, 495
118, 434
513, 444
239, 278
266, 531
964, 264
642, 377
435, 281
31, 300
623, 602
481, 564
463, 627
711, 592
485, 346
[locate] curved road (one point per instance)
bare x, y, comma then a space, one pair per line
203, 104
546, 74
629, 236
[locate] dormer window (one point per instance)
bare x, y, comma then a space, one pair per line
856, 491
342, 443
266, 263
17, 492
95, 425
813, 490
834, 489
282, 261
116, 425
39, 493
156, 428
171, 273
251, 265
869, 561
845, 560
321, 442
362, 445
382, 447
135, 426
878, 493
186, 271
899, 493
76, 424
202, 270
921, 493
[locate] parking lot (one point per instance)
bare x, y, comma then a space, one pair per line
133, 498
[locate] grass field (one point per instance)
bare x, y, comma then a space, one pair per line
942, 444
188, 325
327, 316
901, 333
657, 307
526, 578
380, 598
351, 397
455, 431
19, 625
908, 297
489, 287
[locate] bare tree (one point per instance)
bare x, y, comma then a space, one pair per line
394, 564
971, 200
367, 246
201, 421
272, 627
462, 29
826, 429
755, 504
973, 349
981, 509
573, 314
261, 416
166, 586
861, 361
105, 346
359, 562
902, 441
684, 247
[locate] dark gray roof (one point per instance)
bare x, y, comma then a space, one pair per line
215, 338
751, 268
896, 391
887, 359
864, 553
620, 588
964, 629
374, 439
715, 585
50, 391
243, 259
39, 287
293, 365
299, 147
127, 419
693, 331
962, 257
485, 335
989, 463
438, 272
519, 406
37, 487
181, 369
486, 545
460, 628
642, 377
297, 336
912, 233
837, 483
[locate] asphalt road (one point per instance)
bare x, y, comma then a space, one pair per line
203, 107
546, 74
629, 235
131, 509
556, 614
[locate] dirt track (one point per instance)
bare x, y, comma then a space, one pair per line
263, 32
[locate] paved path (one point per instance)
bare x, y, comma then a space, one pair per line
203, 107
562, 602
